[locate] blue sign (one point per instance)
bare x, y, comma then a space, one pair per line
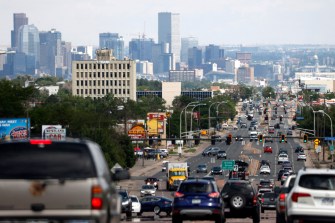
329, 138
14, 128
300, 118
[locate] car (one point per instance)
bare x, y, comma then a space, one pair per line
265, 183
284, 177
280, 173
277, 126
164, 165
216, 170
261, 192
202, 168
243, 125
211, 151
240, 199
299, 149
267, 149
48, 180
267, 139
301, 156
265, 170
135, 204
152, 181
156, 205
264, 162
312, 196
281, 206
148, 190
238, 138
286, 163
288, 169
282, 157
289, 132
221, 154
198, 200
282, 150
126, 205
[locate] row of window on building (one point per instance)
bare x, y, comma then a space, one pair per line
92, 92
102, 75
103, 83
94, 66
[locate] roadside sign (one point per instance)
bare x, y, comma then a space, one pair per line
300, 118
331, 148
55, 134
228, 164
318, 149
329, 138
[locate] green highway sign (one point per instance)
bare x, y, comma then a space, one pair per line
228, 164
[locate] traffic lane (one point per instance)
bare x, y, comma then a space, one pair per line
269, 216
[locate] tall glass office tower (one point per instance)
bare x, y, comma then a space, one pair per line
169, 32
19, 20
112, 41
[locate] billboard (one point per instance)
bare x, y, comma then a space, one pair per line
55, 134
155, 123
45, 127
14, 128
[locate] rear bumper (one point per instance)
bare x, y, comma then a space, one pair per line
205, 213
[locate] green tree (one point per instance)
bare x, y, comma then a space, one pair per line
268, 92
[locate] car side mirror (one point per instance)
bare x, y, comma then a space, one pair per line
120, 174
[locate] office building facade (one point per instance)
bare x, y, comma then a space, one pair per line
19, 19
169, 32
186, 44
114, 42
106, 75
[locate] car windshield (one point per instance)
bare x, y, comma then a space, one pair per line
123, 195
55, 161
177, 173
202, 166
269, 195
134, 199
216, 168
317, 182
196, 188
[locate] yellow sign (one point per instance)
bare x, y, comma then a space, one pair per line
316, 141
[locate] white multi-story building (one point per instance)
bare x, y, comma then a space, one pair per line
97, 78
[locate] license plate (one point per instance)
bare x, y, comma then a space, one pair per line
327, 201
227, 210
196, 201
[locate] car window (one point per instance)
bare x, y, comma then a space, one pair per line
134, 199
54, 161
196, 188
148, 187
317, 182
269, 195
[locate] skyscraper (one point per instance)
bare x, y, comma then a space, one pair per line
29, 43
20, 19
112, 41
186, 44
141, 49
169, 32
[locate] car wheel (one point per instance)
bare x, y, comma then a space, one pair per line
262, 210
280, 218
157, 210
168, 213
139, 213
128, 214
237, 201
256, 218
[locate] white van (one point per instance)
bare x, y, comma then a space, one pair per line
253, 136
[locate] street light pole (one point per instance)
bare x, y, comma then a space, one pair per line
331, 127
209, 115
185, 114
217, 108
192, 114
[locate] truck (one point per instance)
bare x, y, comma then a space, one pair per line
176, 173
253, 135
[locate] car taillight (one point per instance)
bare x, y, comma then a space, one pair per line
96, 201
282, 197
178, 194
254, 200
40, 141
295, 196
262, 200
214, 195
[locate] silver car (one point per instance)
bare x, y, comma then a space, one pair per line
148, 190
56, 181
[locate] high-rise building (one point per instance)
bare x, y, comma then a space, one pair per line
194, 58
141, 49
114, 42
20, 19
29, 43
106, 75
169, 32
244, 57
245, 74
51, 53
213, 53
186, 44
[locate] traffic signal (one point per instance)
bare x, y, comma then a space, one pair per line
282, 138
305, 138
229, 138
260, 138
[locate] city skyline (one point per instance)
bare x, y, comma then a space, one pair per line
220, 22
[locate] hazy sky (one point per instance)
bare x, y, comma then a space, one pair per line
211, 21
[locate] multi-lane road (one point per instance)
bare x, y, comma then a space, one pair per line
251, 152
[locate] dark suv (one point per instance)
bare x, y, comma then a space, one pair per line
126, 202
240, 200
198, 199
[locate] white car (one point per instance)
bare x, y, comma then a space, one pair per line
148, 190
302, 156
282, 158
265, 170
312, 197
135, 204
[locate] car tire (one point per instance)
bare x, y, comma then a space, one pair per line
262, 210
280, 218
157, 210
128, 214
139, 213
168, 213
176, 219
237, 201
256, 218
220, 219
